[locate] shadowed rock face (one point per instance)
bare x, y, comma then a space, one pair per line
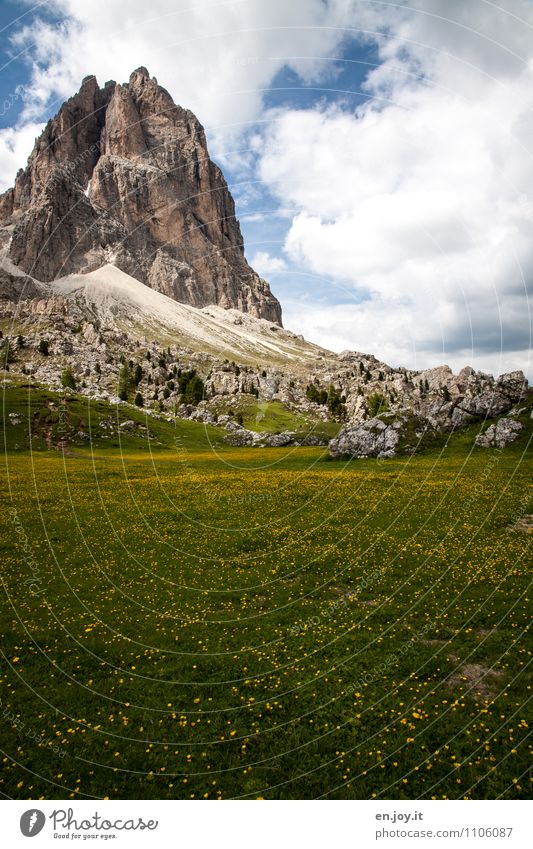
123, 175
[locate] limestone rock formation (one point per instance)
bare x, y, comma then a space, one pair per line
500, 434
122, 175
371, 438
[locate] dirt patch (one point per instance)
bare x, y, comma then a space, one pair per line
478, 680
342, 592
292, 580
486, 632
523, 525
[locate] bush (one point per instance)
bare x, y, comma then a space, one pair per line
194, 391
67, 378
336, 404
313, 394
124, 382
137, 375
191, 387
376, 404
7, 355
139, 400
43, 347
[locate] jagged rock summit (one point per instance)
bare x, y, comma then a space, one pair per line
122, 175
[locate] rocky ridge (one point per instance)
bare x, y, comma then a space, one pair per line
247, 366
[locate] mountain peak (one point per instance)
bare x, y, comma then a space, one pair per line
140, 72
122, 174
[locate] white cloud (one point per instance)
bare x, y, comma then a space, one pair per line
214, 57
422, 205
266, 264
15, 147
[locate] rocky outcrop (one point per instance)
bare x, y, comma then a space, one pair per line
122, 175
239, 437
15, 288
449, 401
500, 434
385, 435
371, 438
90, 322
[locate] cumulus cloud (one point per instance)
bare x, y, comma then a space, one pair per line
265, 264
420, 201
16, 144
215, 57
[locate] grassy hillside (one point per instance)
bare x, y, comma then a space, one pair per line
82, 423
188, 620
272, 416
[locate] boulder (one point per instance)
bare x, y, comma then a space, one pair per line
278, 440
366, 439
239, 437
500, 434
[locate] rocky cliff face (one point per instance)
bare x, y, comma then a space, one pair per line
122, 175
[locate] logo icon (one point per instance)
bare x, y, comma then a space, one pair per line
32, 822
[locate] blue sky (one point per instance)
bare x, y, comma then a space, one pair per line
15, 69
388, 208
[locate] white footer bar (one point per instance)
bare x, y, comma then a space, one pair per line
268, 825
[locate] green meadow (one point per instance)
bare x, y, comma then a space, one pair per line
183, 619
